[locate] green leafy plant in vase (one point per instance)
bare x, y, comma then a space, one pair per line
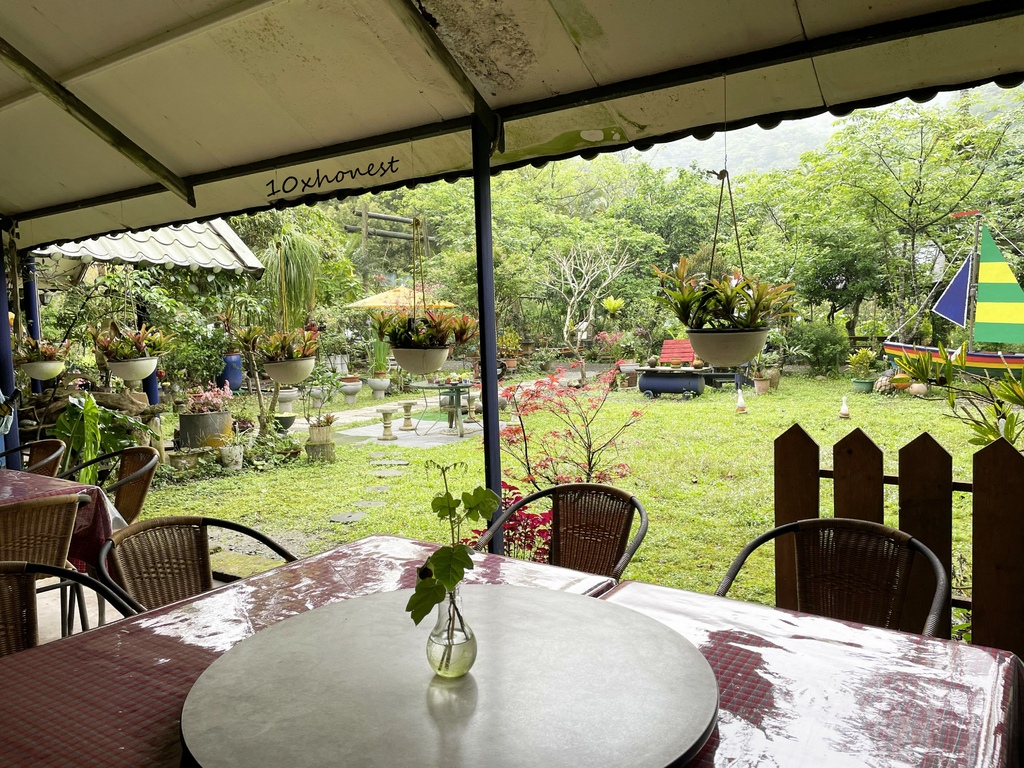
451, 646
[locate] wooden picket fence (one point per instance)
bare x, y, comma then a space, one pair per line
926, 488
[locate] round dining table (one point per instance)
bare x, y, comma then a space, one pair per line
560, 680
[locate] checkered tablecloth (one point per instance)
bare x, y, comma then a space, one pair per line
799, 690
113, 696
92, 523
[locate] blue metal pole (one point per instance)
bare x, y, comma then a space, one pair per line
30, 297
485, 294
7, 364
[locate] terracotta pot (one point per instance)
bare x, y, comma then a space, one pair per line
762, 386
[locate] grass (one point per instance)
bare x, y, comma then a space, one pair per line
703, 472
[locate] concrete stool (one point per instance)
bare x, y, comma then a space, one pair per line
407, 425
386, 413
470, 411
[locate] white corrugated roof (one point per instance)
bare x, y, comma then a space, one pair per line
209, 245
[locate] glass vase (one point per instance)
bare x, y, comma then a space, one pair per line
451, 647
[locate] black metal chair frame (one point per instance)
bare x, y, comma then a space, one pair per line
941, 579
631, 547
108, 580
70, 473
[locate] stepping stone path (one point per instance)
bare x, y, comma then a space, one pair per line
379, 455
365, 504
348, 517
389, 463
379, 488
388, 473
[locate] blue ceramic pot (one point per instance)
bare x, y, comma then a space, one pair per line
232, 373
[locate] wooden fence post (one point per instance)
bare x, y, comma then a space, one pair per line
998, 577
926, 512
857, 468
797, 497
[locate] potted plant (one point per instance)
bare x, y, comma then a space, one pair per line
232, 453
205, 420
131, 355
465, 328
508, 348
289, 357
421, 344
320, 445
862, 363
920, 368
451, 645
759, 373
727, 320
40, 359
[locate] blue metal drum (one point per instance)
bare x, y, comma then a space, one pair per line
655, 382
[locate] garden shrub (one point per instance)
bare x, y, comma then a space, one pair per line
825, 345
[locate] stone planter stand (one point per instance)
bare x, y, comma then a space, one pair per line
351, 391
379, 387
407, 425
320, 446
386, 413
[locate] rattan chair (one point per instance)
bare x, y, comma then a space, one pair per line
136, 467
19, 626
853, 570
40, 457
166, 559
39, 531
590, 527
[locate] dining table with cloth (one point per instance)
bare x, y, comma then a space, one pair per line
94, 522
794, 690
803, 690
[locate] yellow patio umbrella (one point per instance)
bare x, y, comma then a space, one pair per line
397, 298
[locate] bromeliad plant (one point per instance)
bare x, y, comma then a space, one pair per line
734, 301
117, 343
39, 350
432, 331
291, 345
438, 577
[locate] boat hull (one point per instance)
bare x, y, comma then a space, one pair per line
993, 364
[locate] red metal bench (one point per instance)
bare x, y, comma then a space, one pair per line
676, 349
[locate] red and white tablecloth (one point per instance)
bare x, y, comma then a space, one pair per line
94, 521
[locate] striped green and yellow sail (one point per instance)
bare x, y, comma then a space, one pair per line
999, 314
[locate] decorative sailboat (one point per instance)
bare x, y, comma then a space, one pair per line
984, 298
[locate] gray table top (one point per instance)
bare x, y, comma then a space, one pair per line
560, 680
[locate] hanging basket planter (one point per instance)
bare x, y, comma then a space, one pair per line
290, 371
43, 370
133, 370
421, 361
726, 347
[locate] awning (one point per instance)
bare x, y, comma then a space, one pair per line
397, 298
210, 246
250, 104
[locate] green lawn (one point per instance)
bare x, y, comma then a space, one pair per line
703, 472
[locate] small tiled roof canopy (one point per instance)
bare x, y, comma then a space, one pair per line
209, 245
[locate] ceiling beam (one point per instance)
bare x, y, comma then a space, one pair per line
409, 13
88, 117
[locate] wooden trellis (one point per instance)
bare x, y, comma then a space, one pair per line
926, 489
